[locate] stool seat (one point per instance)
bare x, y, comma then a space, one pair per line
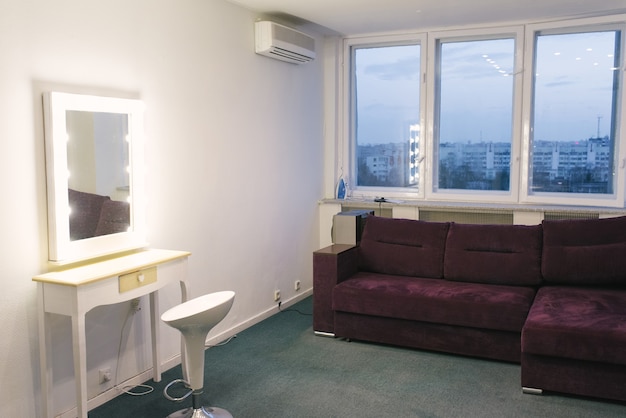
194, 319
202, 312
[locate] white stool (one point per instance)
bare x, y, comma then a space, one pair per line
194, 319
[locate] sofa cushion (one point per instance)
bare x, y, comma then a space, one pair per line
86, 208
114, 218
496, 254
585, 252
403, 247
436, 301
577, 323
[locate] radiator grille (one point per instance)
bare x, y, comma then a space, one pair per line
556, 216
467, 217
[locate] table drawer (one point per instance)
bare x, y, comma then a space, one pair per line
137, 279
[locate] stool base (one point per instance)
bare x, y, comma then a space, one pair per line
202, 412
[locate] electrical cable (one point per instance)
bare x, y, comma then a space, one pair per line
292, 310
128, 388
229, 339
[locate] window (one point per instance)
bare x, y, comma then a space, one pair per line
386, 115
474, 113
576, 79
524, 114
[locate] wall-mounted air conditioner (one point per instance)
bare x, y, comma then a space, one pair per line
283, 43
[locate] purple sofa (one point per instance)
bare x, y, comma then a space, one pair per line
548, 296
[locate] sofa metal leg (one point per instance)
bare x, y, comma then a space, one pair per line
532, 391
324, 334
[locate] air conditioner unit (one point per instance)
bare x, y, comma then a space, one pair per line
283, 43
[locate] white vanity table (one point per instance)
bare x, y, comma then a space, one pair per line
75, 291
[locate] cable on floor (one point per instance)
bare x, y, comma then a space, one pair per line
229, 339
293, 310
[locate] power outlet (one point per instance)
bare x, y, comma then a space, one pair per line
276, 295
104, 375
296, 285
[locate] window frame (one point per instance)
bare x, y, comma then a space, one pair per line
435, 38
349, 146
519, 193
579, 199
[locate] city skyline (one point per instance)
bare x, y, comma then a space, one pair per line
557, 166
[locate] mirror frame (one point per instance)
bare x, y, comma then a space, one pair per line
61, 249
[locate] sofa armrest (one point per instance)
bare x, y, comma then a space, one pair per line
331, 265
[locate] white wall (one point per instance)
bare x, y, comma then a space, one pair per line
234, 153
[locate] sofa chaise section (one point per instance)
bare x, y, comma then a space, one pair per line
574, 340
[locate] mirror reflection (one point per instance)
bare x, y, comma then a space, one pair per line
98, 178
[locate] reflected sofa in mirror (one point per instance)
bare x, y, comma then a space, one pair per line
94, 215
94, 167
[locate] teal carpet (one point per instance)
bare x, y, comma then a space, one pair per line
278, 368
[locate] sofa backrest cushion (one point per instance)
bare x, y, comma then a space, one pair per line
403, 247
585, 251
114, 218
494, 254
86, 208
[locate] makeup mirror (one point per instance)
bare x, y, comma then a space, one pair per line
94, 168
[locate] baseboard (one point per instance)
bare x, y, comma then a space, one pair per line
112, 393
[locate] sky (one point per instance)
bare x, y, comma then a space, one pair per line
573, 89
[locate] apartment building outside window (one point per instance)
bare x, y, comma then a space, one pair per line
525, 114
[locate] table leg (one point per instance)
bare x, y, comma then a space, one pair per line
45, 370
80, 363
154, 326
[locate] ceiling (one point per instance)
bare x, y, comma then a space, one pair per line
351, 17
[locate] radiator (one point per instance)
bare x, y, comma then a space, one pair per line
555, 216
501, 217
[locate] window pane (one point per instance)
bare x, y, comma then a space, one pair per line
475, 114
575, 89
386, 95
